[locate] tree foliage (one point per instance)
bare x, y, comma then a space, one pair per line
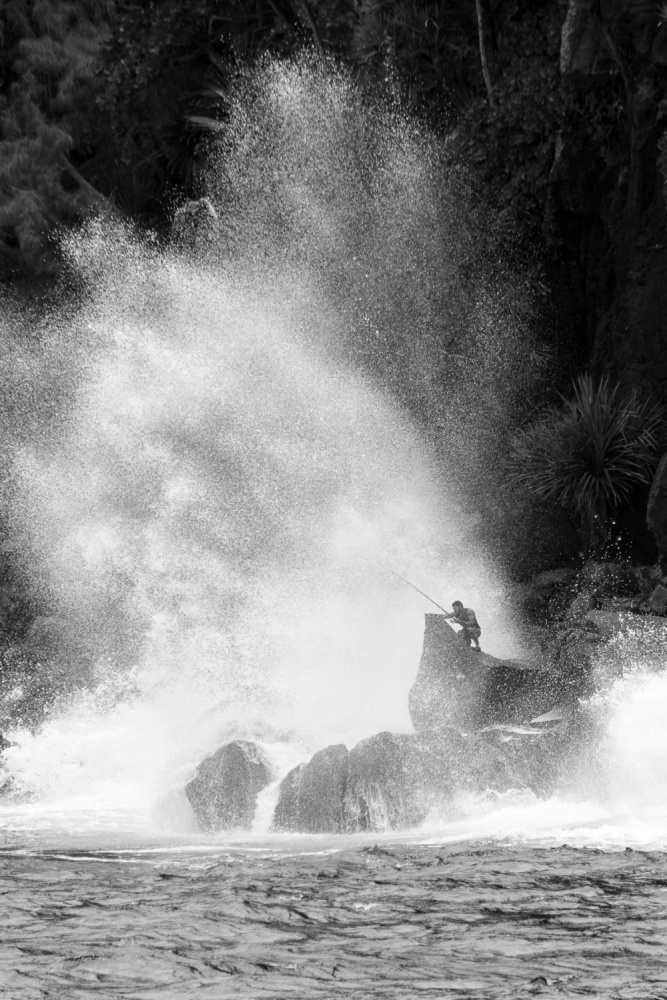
590, 453
100, 97
49, 59
429, 44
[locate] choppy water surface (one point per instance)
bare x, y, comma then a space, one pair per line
304, 919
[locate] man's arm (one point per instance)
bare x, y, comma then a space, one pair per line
467, 617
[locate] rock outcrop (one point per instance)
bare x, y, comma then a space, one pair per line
312, 796
548, 594
483, 724
458, 687
287, 816
386, 787
392, 781
195, 224
223, 793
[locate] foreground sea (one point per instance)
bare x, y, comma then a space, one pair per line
501, 905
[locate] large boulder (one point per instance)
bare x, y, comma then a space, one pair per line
392, 781
223, 793
568, 652
656, 603
612, 625
312, 796
195, 224
286, 815
385, 783
458, 687
388, 781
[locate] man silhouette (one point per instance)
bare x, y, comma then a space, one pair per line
470, 631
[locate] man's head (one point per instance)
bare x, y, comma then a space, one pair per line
456, 605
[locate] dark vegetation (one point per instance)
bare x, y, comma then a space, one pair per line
590, 453
557, 108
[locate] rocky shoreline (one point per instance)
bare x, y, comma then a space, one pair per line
481, 723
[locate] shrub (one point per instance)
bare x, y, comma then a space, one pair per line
589, 454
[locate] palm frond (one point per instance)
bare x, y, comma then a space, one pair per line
590, 453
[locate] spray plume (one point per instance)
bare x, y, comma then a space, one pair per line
226, 448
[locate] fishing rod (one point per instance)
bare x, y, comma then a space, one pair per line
448, 613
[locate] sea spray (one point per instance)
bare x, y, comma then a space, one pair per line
238, 503
211, 506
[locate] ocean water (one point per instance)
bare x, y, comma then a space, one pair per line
312, 917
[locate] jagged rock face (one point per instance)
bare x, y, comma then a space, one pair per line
286, 815
548, 594
195, 224
391, 781
457, 687
223, 793
479, 728
657, 602
385, 783
312, 795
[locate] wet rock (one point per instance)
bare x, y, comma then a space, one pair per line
657, 602
312, 796
547, 595
286, 815
385, 783
396, 780
223, 793
581, 605
500, 759
393, 780
388, 781
610, 624
610, 579
452, 761
567, 654
195, 224
322, 791
457, 687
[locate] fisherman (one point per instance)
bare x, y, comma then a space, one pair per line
466, 617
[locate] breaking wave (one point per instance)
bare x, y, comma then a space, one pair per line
216, 455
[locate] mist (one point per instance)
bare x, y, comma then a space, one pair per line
233, 441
